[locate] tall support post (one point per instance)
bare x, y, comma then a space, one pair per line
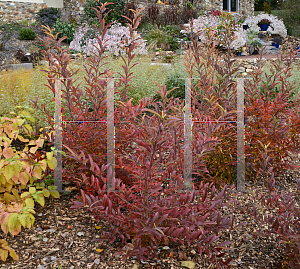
110, 136
240, 176
58, 139
188, 155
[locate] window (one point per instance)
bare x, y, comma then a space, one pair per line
231, 5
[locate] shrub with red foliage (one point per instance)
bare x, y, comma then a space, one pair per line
272, 115
88, 141
215, 12
152, 205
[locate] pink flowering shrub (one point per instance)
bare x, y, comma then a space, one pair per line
85, 40
216, 24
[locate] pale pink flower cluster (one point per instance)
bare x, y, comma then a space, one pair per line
211, 22
240, 39
276, 27
114, 40
200, 24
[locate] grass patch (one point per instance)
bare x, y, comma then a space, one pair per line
20, 86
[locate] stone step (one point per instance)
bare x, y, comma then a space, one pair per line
267, 43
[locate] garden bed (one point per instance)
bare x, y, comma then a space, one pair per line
63, 237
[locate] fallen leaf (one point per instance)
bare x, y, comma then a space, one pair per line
188, 264
171, 255
99, 250
135, 266
69, 226
182, 256
98, 227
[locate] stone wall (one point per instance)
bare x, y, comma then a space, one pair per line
248, 65
72, 10
246, 7
19, 11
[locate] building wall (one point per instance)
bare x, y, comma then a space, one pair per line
20, 10
71, 9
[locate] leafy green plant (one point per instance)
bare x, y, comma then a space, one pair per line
176, 82
20, 172
90, 14
27, 34
267, 8
291, 16
64, 29
24, 22
162, 39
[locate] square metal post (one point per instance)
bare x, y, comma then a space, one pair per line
110, 136
240, 167
188, 155
58, 139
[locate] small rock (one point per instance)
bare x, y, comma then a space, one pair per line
97, 261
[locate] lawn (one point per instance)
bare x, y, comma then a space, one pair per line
17, 88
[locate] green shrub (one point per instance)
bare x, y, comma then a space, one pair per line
48, 16
27, 34
291, 16
162, 39
90, 15
65, 29
267, 8
175, 79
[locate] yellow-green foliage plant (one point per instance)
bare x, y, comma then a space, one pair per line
18, 87
14, 86
21, 177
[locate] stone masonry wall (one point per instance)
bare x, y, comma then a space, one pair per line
72, 10
19, 11
246, 7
